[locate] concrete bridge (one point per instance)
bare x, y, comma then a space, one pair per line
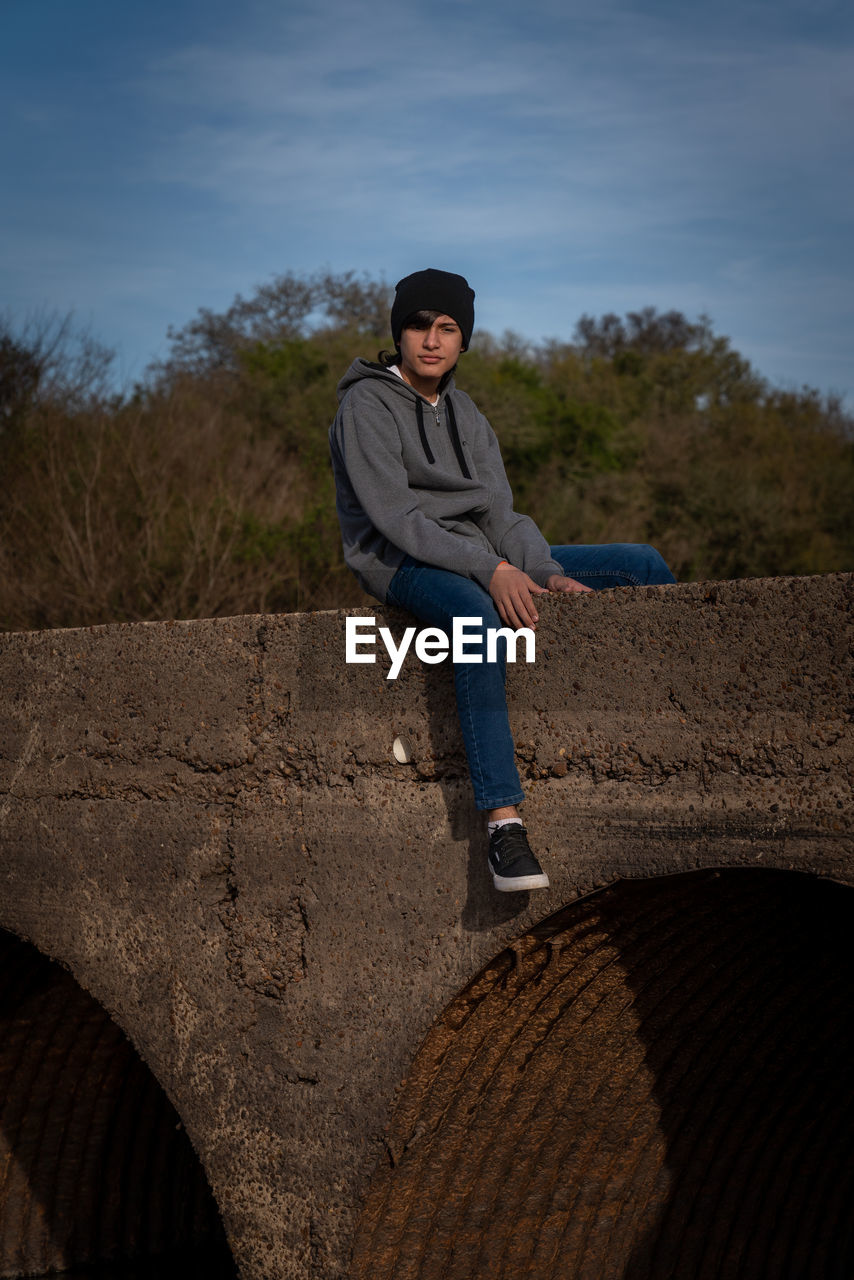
232, 915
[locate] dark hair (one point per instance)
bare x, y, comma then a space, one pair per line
421, 319
415, 320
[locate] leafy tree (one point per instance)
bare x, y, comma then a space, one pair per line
20, 374
208, 490
280, 311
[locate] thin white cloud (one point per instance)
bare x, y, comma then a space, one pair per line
663, 113
694, 157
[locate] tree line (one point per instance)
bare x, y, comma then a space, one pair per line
206, 490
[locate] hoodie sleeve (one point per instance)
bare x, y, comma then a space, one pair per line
515, 536
369, 446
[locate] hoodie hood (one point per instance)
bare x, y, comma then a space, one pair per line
361, 369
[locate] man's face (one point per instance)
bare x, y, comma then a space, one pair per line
428, 354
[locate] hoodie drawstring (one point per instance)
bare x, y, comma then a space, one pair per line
453, 432
425, 443
455, 438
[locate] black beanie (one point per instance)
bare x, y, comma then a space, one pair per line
432, 290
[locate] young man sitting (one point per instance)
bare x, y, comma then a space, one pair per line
428, 524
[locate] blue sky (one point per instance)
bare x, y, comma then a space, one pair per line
566, 157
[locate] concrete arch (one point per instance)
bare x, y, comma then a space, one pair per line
96, 1166
655, 1081
206, 824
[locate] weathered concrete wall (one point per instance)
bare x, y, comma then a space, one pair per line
205, 822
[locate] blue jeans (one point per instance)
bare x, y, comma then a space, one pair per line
437, 596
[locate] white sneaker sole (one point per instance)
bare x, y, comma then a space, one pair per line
511, 884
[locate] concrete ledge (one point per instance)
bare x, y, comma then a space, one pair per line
206, 824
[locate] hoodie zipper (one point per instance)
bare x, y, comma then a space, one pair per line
453, 432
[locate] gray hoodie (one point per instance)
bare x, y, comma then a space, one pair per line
424, 481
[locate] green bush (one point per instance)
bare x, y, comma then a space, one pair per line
208, 489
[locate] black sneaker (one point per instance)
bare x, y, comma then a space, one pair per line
511, 862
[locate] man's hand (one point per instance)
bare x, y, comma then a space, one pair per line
513, 592
558, 583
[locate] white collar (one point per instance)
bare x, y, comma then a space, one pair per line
394, 369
